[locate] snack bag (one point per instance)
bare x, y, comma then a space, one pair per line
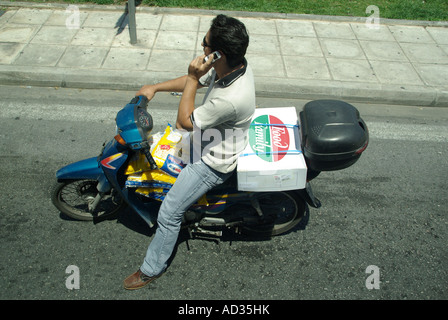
155, 184
169, 150
152, 176
154, 193
165, 146
152, 184
138, 163
167, 153
160, 194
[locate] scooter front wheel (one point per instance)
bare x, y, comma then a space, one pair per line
282, 212
75, 197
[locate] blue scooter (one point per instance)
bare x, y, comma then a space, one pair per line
95, 189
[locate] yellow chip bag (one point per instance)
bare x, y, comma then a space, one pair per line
137, 164
167, 145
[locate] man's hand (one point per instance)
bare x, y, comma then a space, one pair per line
148, 91
198, 67
196, 70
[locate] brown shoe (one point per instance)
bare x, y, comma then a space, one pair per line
138, 280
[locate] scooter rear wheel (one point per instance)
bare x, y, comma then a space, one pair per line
72, 198
282, 211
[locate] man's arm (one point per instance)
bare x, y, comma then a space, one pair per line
196, 70
186, 105
187, 84
175, 85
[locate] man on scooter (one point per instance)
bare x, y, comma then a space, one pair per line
229, 104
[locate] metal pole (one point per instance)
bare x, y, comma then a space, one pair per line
132, 22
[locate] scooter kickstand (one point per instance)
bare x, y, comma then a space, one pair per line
254, 202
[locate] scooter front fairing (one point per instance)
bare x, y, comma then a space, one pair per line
114, 160
84, 169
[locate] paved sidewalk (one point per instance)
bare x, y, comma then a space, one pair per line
293, 56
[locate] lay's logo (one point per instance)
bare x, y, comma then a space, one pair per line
269, 138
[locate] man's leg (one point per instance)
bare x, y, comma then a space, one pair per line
193, 181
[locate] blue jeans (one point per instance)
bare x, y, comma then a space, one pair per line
193, 182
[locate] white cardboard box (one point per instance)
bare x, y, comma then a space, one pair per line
273, 159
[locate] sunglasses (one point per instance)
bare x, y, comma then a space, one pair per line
205, 44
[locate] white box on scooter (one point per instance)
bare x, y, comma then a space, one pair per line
273, 159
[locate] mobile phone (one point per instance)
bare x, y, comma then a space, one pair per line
216, 56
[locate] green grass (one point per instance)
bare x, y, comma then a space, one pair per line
431, 10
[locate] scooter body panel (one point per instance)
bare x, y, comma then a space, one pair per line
84, 169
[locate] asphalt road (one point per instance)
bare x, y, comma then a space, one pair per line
385, 215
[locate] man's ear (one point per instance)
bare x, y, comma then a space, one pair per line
223, 56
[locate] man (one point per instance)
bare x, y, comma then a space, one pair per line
229, 104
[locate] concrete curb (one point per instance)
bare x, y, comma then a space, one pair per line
265, 87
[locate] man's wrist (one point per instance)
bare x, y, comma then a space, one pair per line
192, 77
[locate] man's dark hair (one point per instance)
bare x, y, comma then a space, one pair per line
230, 36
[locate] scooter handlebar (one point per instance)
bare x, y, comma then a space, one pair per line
140, 101
146, 151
